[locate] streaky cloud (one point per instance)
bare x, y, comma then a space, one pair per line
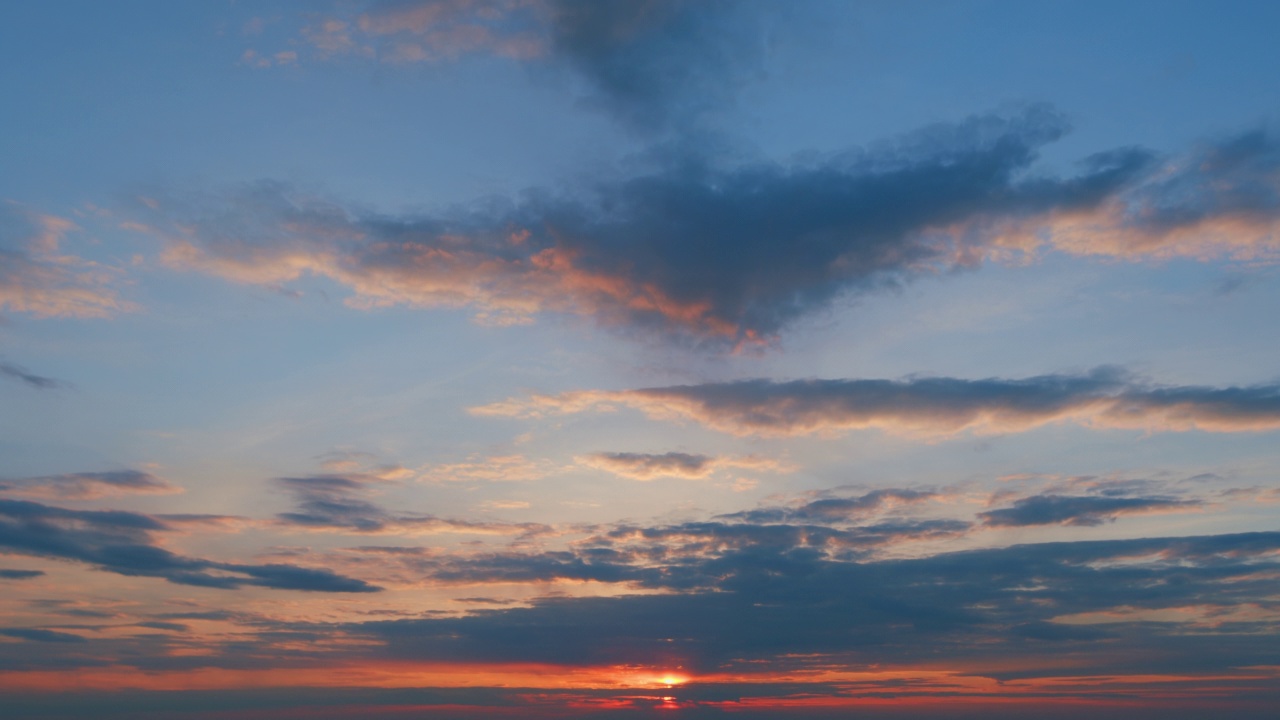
1080, 510
122, 542
1104, 398
689, 466
42, 635
337, 503
88, 485
21, 374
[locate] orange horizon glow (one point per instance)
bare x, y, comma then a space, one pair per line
927, 686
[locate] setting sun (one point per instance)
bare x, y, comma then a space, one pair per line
671, 679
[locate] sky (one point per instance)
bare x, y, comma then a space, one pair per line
639, 358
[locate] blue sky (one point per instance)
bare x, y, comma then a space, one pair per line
643, 354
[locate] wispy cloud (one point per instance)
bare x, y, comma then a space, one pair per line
339, 503
21, 374
691, 466
929, 406
40, 279
88, 485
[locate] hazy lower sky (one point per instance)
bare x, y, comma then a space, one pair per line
605, 358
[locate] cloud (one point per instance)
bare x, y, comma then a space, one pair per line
1080, 510
336, 503
797, 609
39, 279
726, 257
487, 469
682, 556
21, 374
89, 485
646, 466
42, 635
652, 65
928, 406
658, 63
433, 31
122, 542
730, 257
1222, 198
837, 509
7, 574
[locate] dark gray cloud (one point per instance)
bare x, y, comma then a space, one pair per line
793, 607
1080, 510
1105, 397
121, 542
88, 485
8, 574
720, 256
21, 374
731, 256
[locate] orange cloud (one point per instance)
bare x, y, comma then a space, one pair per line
43, 281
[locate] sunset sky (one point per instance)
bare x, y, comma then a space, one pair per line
639, 358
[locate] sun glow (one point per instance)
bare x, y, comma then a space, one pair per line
672, 679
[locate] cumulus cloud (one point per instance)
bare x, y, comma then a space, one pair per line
124, 543
732, 256
40, 279
928, 406
690, 466
89, 485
